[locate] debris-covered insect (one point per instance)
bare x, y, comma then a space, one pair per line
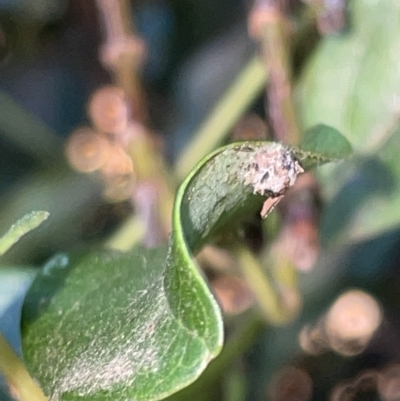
274, 169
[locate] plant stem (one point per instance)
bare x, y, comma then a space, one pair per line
28, 223
230, 108
331, 15
267, 25
122, 53
17, 376
268, 299
29, 134
130, 233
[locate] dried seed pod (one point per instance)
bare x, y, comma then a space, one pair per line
87, 150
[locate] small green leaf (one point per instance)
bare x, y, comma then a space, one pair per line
322, 144
23, 226
142, 325
326, 141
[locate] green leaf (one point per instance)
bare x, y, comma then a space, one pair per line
142, 325
368, 201
110, 333
352, 82
322, 144
326, 141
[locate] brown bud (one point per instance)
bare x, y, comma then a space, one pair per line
352, 321
262, 14
118, 188
87, 150
389, 383
123, 48
108, 110
290, 384
118, 162
312, 340
233, 294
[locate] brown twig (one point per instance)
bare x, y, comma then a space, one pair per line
21, 385
330, 15
122, 54
267, 25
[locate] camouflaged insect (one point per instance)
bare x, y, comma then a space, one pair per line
274, 169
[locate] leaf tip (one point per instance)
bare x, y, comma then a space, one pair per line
326, 140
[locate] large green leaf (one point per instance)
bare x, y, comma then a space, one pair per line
352, 83
143, 324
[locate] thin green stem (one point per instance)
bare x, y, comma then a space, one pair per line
129, 234
256, 278
235, 101
17, 376
23, 226
29, 134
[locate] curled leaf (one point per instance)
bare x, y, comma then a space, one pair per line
143, 324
